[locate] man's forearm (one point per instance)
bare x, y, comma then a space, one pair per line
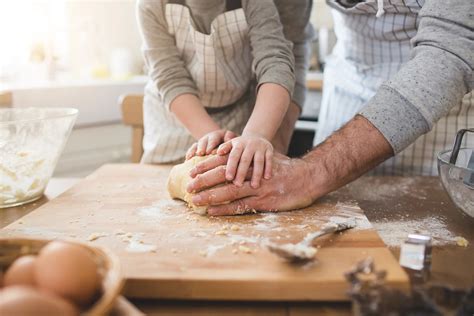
347, 154
190, 112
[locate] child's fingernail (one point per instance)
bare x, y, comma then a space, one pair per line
229, 177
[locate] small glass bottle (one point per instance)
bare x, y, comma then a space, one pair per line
415, 257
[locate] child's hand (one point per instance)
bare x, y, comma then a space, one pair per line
243, 151
206, 144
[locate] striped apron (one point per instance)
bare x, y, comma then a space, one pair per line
370, 49
219, 64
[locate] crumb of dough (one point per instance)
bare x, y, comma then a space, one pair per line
234, 251
225, 227
203, 253
461, 241
95, 236
235, 228
221, 232
200, 234
20, 222
129, 235
119, 232
245, 249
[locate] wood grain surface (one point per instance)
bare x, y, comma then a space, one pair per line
169, 253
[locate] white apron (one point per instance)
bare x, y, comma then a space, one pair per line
369, 51
220, 65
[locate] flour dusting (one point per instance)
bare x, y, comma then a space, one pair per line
162, 209
394, 233
346, 211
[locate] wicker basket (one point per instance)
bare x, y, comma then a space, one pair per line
108, 263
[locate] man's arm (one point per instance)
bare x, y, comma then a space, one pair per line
434, 80
296, 183
348, 153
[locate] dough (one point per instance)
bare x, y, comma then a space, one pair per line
179, 179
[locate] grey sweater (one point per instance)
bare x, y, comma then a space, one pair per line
279, 33
436, 78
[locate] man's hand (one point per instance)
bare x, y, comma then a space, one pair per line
292, 186
206, 144
296, 183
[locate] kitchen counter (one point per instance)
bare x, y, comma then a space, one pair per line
395, 206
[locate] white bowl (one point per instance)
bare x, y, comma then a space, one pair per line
31, 141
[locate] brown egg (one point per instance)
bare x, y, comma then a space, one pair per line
67, 270
25, 301
21, 272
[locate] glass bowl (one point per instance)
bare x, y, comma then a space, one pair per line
31, 141
457, 179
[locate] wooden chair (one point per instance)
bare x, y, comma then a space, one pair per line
132, 114
6, 99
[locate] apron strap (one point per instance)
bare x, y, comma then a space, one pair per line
230, 4
233, 5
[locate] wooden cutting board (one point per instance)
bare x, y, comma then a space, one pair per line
169, 252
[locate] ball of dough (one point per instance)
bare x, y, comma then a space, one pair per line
179, 179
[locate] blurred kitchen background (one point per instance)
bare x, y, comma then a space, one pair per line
85, 54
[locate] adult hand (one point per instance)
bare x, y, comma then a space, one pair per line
206, 144
291, 187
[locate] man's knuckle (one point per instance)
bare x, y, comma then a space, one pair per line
221, 170
245, 159
231, 192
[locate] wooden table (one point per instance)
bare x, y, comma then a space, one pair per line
413, 203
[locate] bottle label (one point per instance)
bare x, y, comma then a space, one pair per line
412, 256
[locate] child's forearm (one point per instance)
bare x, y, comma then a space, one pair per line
270, 109
191, 113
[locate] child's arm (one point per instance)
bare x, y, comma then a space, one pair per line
191, 113
254, 145
274, 64
295, 18
175, 85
